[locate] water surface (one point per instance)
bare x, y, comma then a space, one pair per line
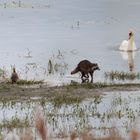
97, 115
38, 31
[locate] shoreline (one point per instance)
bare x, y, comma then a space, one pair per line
74, 89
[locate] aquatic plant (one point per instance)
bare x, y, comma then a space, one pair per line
84, 135
120, 75
60, 99
50, 67
15, 122
57, 64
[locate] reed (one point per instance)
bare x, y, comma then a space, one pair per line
85, 135
120, 75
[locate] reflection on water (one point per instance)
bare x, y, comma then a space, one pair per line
57, 64
129, 56
98, 114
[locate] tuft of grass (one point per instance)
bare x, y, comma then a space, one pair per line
120, 75
74, 84
28, 82
101, 85
15, 122
65, 98
4, 87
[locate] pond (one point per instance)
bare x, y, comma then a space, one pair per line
98, 115
35, 33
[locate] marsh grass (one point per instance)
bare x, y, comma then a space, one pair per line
101, 85
120, 75
8, 84
15, 122
81, 112
65, 98
4, 87
28, 82
74, 84
84, 135
42, 128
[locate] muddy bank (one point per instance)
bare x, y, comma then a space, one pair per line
73, 90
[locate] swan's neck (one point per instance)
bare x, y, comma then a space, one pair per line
130, 43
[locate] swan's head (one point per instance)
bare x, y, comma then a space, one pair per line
130, 34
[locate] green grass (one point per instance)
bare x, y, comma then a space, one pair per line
74, 84
100, 85
28, 82
4, 87
59, 99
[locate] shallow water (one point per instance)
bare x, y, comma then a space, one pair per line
98, 115
66, 32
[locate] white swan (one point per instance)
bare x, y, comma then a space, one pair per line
128, 45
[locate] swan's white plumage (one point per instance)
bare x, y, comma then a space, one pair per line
124, 45
128, 45
128, 56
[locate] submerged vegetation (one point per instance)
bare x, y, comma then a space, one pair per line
15, 122
79, 104
41, 125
